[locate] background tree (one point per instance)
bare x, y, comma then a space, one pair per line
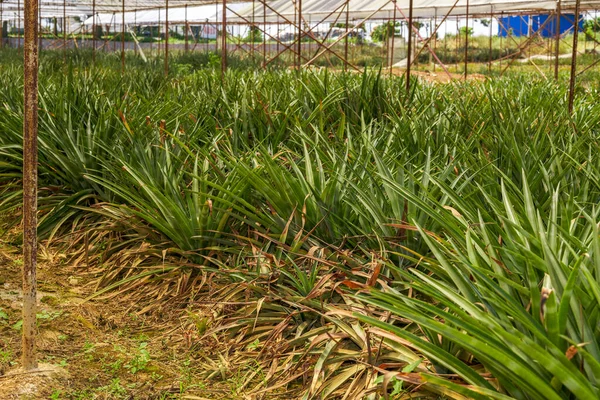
382, 32
254, 35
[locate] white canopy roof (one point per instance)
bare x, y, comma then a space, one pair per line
332, 10
282, 11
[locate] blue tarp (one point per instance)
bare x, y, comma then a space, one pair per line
520, 25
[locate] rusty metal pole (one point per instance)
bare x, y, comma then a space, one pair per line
30, 118
435, 23
114, 24
467, 42
574, 58
1, 25
94, 29
123, 37
264, 34
166, 37
224, 40
347, 36
40, 30
393, 40
300, 34
18, 24
64, 28
557, 49
187, 30
491, 40
252, 33
409, 55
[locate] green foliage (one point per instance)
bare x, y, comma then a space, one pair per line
254, 35
383, 32
386, 242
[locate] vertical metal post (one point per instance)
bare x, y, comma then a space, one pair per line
40, 30
166, 37
224, 40
467, 42
264, 34
123, 37
409, 55
491, 40
574, 58
253, 30
30, 127
346, 39
300, 34
435, 19
1, 25
64, 28
557, 49
18, 23
94, 30
187, 30
393, 40
114, 21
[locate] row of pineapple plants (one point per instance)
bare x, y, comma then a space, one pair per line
439, 244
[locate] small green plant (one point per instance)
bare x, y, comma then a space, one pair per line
140, 360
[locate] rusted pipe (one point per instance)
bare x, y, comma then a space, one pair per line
574, 58
409, 55
166, 37
224, 40
30, 121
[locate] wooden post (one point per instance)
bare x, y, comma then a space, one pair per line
574, 58
557, 49
409, 55
30, 128
166, 37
